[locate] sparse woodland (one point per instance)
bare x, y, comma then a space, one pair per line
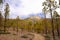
47, 26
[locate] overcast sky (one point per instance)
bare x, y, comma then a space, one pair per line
23, 8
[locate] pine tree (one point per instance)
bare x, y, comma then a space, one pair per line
49, 4
45, 11
56, 16
6, 16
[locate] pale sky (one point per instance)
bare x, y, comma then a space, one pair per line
24, 7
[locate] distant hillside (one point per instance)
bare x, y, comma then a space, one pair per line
33, 18
41, 15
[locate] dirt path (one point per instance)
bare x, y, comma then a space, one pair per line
38, 37
17, 36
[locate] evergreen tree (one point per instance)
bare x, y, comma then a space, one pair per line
51, 5
6, 16
45, 11
56, 17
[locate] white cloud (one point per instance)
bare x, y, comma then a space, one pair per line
24, 7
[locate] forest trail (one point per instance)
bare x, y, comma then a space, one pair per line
38, 37
17, 36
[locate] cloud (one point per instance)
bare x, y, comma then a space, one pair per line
24, 7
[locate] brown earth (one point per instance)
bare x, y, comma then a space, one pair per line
18, 36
